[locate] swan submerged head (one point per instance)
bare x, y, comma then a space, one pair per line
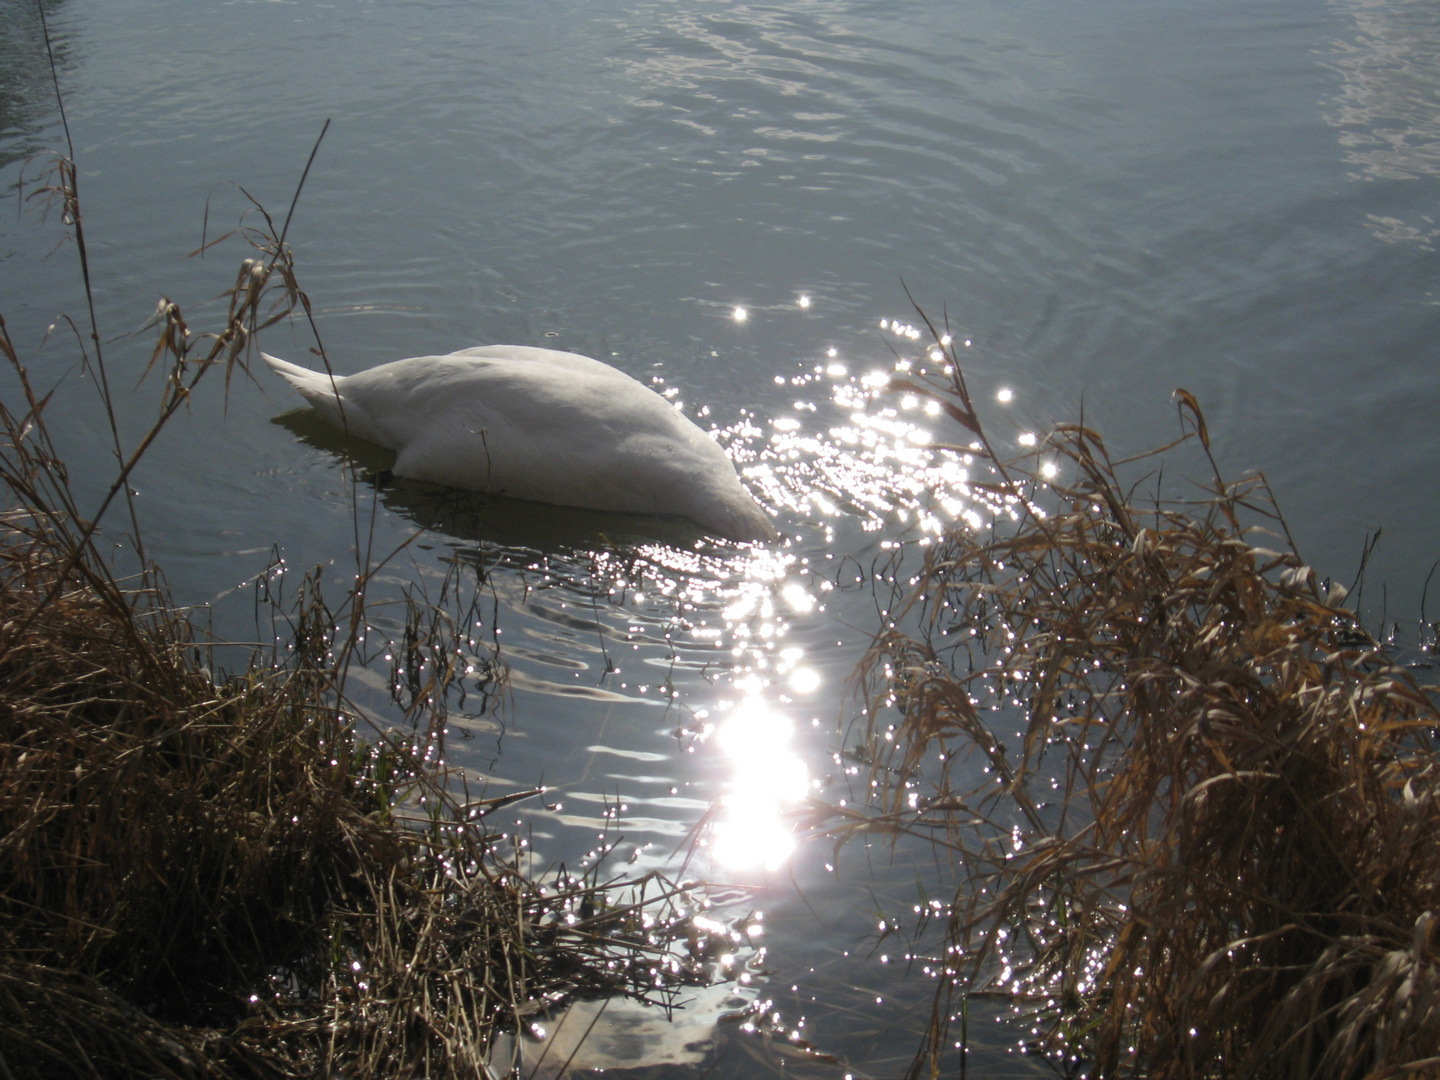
541, 425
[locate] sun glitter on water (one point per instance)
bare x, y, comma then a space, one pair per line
865, 449
768, 779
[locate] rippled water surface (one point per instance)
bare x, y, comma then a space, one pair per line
1105, 201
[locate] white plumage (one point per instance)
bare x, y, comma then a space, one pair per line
537, 424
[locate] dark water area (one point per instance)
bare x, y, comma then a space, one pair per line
1108, 200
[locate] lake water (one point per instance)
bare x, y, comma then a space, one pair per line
1107, 199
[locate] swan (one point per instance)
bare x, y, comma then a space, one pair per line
538, 424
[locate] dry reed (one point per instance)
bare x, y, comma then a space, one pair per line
1190, 803
209, 875
226, 880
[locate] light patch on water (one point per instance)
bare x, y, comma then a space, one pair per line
873, 461
1387, 113
768, 778
613, 1033
798, 597
805, 680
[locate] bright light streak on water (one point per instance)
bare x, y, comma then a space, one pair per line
752, 831
849, 458
797, 597
805, 680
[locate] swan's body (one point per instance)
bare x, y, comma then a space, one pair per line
538, 424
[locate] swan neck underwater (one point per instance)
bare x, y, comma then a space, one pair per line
538, 424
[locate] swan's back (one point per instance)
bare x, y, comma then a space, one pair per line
538, 424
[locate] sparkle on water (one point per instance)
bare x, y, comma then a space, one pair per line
851, 454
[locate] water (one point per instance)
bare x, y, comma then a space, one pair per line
1109, 200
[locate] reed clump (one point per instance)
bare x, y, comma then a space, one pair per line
1190, 804
210, 875
223, 879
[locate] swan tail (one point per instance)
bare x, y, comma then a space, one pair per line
303, 379
317, 387
327, 395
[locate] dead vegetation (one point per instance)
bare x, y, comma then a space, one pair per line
227, 880
212, 875
1189, 803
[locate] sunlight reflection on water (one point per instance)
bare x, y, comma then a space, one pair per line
1386, 111
735, 628
768, 779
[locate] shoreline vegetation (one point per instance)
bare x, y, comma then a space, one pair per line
211, 875
224, 879
1187, 803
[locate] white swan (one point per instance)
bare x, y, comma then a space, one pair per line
537, 424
